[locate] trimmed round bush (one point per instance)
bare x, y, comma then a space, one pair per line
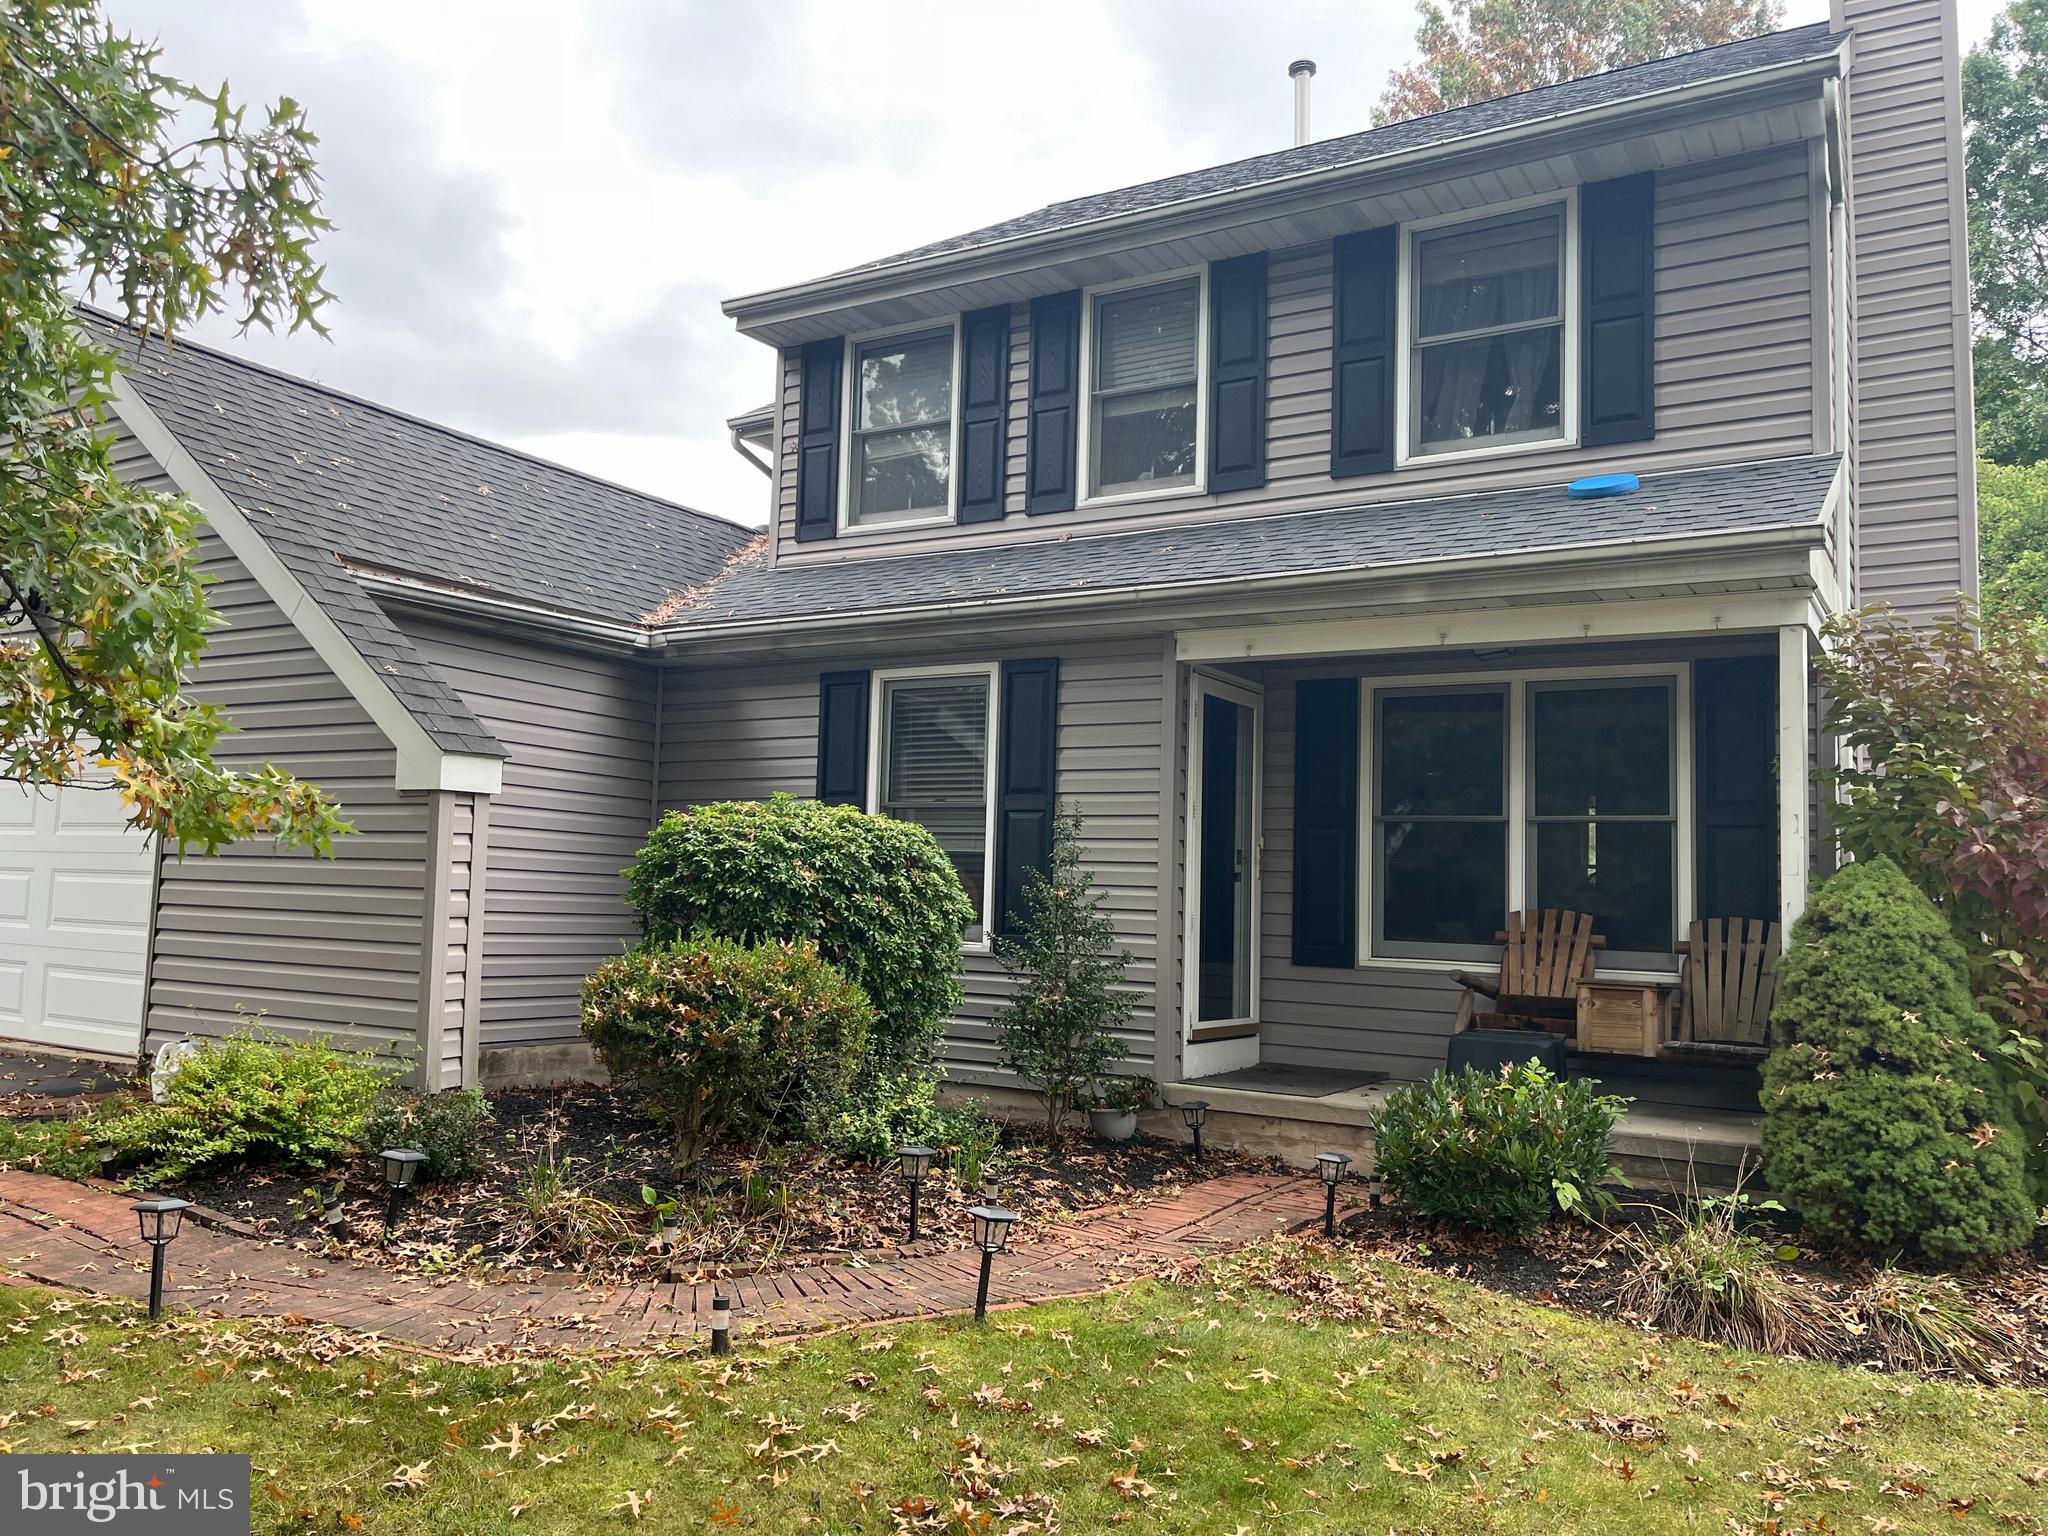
729, 1040
1885, 1123
1502, 1152
878, 897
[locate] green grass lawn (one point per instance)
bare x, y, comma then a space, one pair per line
1402, 1401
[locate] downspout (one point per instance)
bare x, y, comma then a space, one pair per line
654, 768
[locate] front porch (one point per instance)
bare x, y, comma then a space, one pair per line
1359, 810
1295, 1112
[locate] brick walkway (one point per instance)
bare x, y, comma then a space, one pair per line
70, 1235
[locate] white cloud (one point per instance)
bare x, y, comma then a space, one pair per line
538, 207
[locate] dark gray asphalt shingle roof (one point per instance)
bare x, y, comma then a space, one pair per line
323, 474
1696, 68
1784, 493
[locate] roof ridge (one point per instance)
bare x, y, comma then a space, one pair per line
967, 241
270, 370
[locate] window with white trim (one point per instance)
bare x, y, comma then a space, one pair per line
1144, 388
900, 454
1581, 811
1487, 350
933, 765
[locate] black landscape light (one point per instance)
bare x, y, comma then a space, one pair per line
991, 1235
721, 1324
160, 1221
1330, 1168
1379, 1193
401, 1167
1194, 1112
915, 1162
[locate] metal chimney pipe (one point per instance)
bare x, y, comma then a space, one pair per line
1302, 71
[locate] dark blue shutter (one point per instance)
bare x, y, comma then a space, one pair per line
1362, 353
1326, 822
1055, 402
1735, 788
843, 738
1237, 374
1026, 749
817, 463
984, 412
1617, 230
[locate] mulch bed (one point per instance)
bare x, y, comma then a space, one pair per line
1580, 1267
743, 1213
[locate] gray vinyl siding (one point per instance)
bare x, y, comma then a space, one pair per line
308, 945
747, 732
575, 807
1734, 370
1914, 470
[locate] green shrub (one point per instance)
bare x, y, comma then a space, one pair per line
64, 1149
729, 1039
251, 1098
448, 1127
1059, 1028
1502, 1152
887, 1110
878, 897
1885, 1123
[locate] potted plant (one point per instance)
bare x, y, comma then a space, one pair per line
1114, 1105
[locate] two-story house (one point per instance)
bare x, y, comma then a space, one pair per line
1235, 511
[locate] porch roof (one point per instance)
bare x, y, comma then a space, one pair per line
1780, 495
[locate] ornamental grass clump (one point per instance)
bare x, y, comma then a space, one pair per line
1502, 1152
1886, 1125
1703, 1273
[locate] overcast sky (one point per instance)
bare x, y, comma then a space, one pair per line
538, 208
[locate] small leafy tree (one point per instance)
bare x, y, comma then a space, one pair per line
102, 608
1885, 1122
1059, 1029
1479, 49
1950, 782
2005, 105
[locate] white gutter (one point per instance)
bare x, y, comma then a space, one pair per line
809, 296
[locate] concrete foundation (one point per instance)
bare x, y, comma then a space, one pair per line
539, 1066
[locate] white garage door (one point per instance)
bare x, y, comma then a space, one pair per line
74, 919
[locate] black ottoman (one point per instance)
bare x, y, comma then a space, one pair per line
1489, 1050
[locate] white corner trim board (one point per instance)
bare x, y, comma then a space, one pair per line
423, 764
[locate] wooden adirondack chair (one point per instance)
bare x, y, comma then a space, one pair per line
1547, 955
1727, 984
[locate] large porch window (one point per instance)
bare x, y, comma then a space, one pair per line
1532, 793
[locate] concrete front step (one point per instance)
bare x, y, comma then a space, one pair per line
1658, 1147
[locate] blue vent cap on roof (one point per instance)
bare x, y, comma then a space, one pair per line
1593, 486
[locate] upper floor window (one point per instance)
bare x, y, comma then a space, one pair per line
1144, 388
1489, 342
900, 450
